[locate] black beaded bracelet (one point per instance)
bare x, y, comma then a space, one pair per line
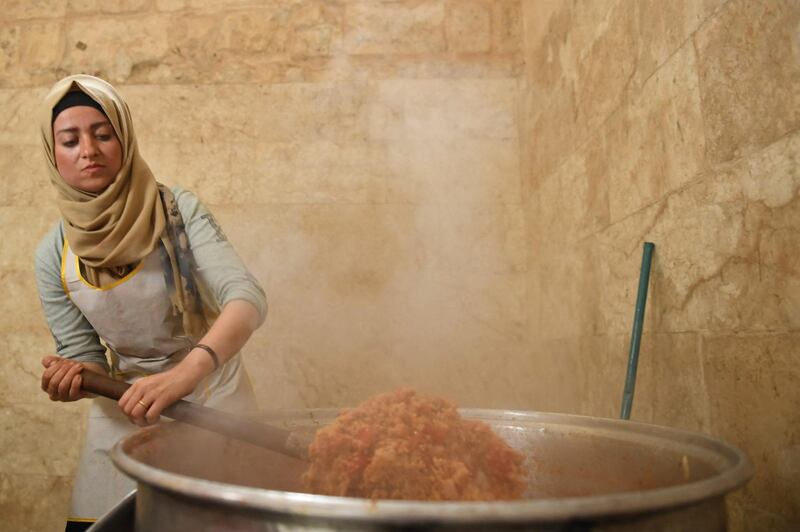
211, 352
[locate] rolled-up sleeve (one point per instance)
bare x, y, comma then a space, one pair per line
219, 266
74, 336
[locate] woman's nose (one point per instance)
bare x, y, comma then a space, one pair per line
88, 148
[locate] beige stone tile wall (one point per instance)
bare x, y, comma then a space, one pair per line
363, 157
451, 195
675, 123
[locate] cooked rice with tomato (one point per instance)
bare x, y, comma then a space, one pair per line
406, 446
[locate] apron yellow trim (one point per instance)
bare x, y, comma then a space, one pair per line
108, 286
80, 520
64, 268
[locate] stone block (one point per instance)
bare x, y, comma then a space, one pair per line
9, 49
670, 389
27, 9
31, 52
506, 26
596, 25
554, 134
619, 257
308, 172
22, 309
712, 268
543, 216
44, 427
601, 379
21, 368
41, 45
17, 107
31, 503
754, 403
221, 5
25, 181
418, 67
771, 176
266, 172
571, 291
93, 7
553, 375
726, 259
743, 516
274, 113
394, 27
656, 144
141, 41
453, 171
185, 114
664, 27
468, 26
348, 249
749, 76
266, 362
296, 28
547, 44
194, 41
581, 204
481, 237
171, 5
309, 111
201, 167
435, 109
603, 75
23, 228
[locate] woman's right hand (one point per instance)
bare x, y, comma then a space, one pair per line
62, 378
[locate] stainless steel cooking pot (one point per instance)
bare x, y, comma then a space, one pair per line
585, 473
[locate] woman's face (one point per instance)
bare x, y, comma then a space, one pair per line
88, 152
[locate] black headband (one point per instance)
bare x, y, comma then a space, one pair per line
74, 99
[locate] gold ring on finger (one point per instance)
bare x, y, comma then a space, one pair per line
142, 403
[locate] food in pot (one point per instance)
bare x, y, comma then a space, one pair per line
403, 445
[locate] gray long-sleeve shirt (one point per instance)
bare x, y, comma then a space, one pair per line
219, 268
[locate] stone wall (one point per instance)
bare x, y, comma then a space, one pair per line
675, 123
362, 156
450, 195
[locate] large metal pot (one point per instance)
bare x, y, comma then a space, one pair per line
584, 473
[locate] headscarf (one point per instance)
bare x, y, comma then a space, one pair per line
123, 224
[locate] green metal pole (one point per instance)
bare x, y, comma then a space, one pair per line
636, 334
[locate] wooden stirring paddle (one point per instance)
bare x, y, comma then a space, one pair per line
273, 438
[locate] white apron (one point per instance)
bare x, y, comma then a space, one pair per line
133, 317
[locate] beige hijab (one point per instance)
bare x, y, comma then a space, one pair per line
121, 225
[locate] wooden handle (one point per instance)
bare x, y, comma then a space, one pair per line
273, 438
101, 385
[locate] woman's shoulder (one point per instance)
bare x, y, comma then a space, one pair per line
52, 241
50, 247
187, 200
188, 203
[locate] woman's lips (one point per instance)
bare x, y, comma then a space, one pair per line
93, 168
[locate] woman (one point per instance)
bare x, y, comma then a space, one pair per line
139, 270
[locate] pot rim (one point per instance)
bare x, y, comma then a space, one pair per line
736, 470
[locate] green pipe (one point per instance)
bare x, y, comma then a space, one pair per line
636, 335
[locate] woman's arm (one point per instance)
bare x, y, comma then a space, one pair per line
226, 337
232, 288
77, 345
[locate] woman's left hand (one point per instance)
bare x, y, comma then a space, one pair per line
148, 397
144, 401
